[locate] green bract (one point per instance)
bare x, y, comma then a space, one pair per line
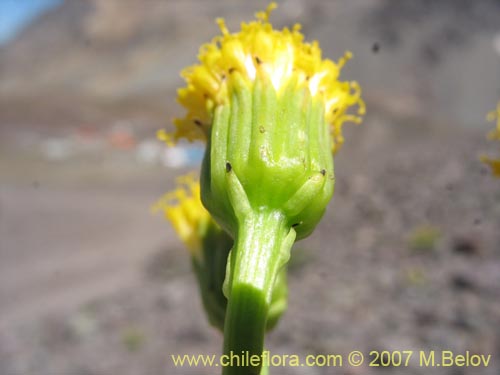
268, 151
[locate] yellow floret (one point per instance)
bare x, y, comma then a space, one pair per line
183, 208
260, 50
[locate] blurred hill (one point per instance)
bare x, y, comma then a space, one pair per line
91, 59
101, 52
108, 49
112, 48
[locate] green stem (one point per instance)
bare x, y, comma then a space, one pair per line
262, 247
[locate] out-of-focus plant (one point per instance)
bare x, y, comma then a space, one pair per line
209, 247
271, 110
494, 135
424, 238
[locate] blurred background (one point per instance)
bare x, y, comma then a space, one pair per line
406, 258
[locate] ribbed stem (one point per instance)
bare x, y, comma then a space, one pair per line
262, 247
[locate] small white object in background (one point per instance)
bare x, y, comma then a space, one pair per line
183, 155
149, 152
496, 43
56, 149
175, 157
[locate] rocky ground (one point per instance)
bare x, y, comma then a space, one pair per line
406, 258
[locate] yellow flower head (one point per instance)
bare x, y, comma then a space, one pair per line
183, 208
260, 50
